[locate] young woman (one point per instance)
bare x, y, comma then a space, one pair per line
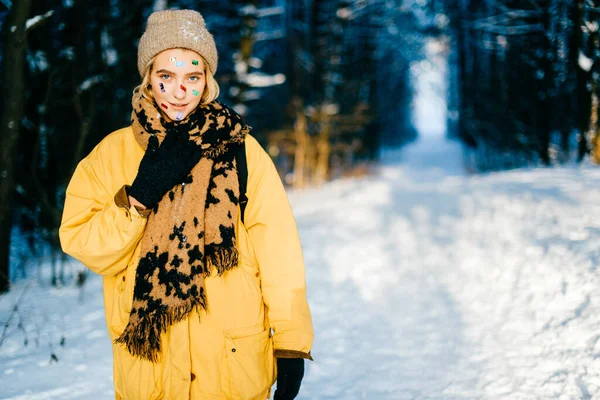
201, 301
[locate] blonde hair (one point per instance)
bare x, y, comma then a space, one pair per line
211, 87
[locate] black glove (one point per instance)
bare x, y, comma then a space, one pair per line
164, 167
290, 372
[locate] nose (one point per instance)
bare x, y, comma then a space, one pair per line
179, 92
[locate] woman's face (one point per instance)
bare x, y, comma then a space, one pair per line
178, 81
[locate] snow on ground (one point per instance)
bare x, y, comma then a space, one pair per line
427, 286
424, 284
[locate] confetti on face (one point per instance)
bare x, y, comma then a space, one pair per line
163, 105
183, 88
195, 93
179, 64
179, 115
195, 62
172, 59
162, 87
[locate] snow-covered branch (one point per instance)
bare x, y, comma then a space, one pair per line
500, 23
249, 9
32, 22
275, 34
592, 9
258, 79
270, 11
89, 82
509, 30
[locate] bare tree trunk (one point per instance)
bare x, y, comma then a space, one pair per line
302, 141
593, 126
15, 44
583, 96
321, 173
248, 25
544, 126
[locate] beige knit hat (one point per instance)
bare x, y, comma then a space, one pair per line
176, 29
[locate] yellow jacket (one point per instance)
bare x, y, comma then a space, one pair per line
227, 352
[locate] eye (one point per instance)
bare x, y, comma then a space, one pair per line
165, 76
194, 78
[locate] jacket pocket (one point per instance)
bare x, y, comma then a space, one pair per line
134, 378
250, 363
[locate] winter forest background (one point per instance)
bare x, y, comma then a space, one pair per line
333, 91
325, 85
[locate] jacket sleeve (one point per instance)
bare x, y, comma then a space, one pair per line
94, 229
274, 236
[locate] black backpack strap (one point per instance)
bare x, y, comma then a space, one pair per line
242, 170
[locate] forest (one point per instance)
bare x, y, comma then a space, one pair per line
324, 84
524, 89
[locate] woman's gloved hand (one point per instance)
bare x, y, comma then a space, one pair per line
290, 372
164, 167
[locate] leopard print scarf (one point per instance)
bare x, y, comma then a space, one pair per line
190, 233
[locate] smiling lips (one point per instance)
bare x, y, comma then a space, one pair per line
178, 106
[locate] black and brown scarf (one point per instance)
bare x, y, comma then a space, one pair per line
191, 231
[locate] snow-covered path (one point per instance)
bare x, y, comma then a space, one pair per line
433, 285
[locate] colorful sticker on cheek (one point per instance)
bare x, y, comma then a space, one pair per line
162, 87
179, 115
195, 62
195, 93
179, 64
163, 105
183, 88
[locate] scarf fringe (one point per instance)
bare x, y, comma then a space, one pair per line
222, 259
143, 339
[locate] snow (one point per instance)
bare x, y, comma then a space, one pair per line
32, 21
255, 62
38, 60
109, 53
239, 65
585, 63
249, 9
187, 31
270, 11
260, 79
159, 5
344, 13
240, 109
592, 26
89, 82
67, 52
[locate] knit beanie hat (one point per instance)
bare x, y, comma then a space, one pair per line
171, 29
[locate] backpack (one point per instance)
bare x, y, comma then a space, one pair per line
242, 169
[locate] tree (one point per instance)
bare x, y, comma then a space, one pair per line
519, 79
15, 44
